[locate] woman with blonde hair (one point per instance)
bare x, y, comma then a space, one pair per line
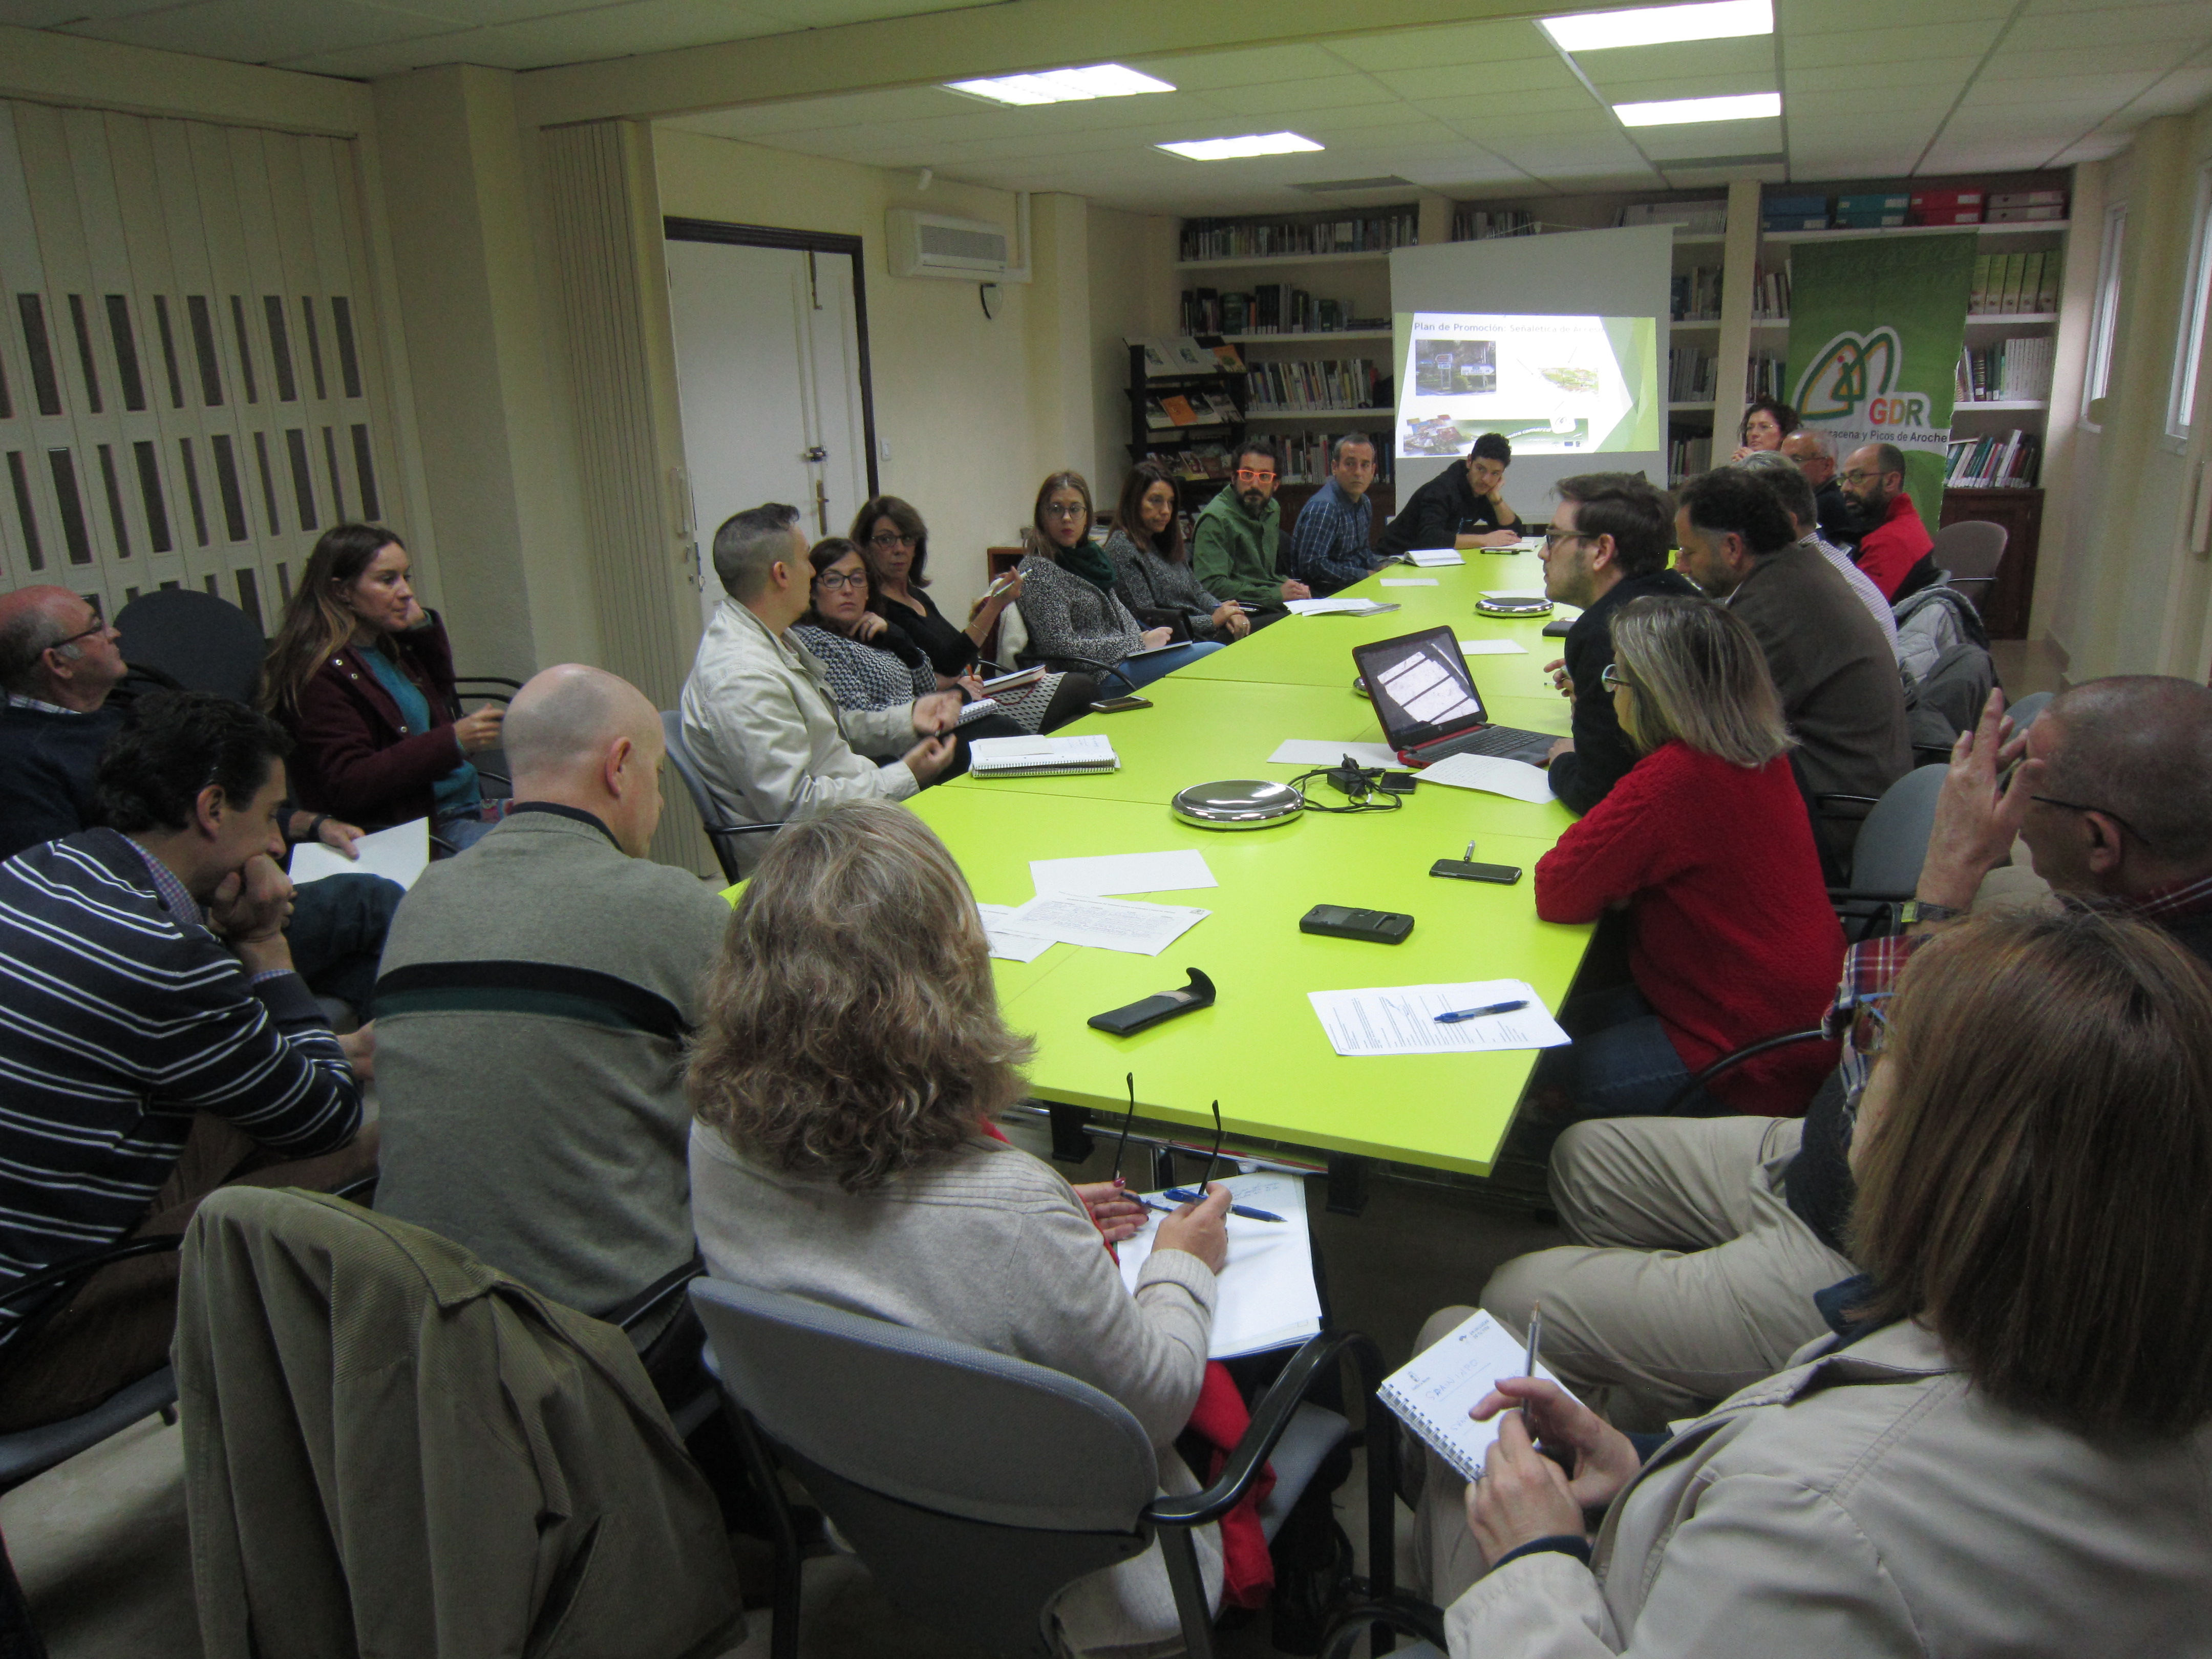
1705, 842
2005, 1448
850, 1061
363, 676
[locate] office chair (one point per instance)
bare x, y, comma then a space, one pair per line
1970, 552
1892, 846
2028, 710
723, 836
1025, 1479
200, 640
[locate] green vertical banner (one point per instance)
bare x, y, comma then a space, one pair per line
1878, 326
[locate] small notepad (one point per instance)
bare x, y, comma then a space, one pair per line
1433, 1395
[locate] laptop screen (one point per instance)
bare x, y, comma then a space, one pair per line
1419, 684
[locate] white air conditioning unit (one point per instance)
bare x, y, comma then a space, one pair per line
936, 245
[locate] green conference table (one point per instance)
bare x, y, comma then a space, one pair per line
1260, 1049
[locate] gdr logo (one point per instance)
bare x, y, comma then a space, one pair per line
1856, 375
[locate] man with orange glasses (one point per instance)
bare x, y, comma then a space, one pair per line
1239, 534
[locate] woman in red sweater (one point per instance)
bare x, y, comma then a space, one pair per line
1706, 844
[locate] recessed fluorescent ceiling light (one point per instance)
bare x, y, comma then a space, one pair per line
1230, 149
1062, 86
1653, 25
1679, 111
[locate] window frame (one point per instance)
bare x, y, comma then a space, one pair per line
2103, 315
2196, 299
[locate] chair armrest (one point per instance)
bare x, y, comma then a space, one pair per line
1269, 1419
512, 686
85, 1265
1727, 1063
1400, 1612
664, 1289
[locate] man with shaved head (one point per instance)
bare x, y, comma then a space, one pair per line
1701, 1242
537, 992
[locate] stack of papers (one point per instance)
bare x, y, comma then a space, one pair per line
1430, 558
1007, 939
1402, 1019
1497, 777
1123, 872
1338, 606
1267, 1298
1491, 649
1104, 924
1409, 581
1025, 757
399, 853
1323, 752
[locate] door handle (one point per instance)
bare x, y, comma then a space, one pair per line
821, 509
816, 453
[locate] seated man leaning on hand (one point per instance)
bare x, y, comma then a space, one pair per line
155, 1042
60, 666
537, 996
1702, 1241
758, 713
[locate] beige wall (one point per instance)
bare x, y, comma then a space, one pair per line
2120, 593
1135, 290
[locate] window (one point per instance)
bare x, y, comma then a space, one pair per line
2105, 319
2182, 404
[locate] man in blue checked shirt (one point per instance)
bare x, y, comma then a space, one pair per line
1333, 544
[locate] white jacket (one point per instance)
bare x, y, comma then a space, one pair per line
1869, 1503
769, 738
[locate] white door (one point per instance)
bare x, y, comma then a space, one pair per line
768, 368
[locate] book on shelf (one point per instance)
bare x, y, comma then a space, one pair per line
1766, 375
1695, 295
1473, 224
1291, 385
2016, 369
1179, 410
1990, 462
1243, 239
1226, 357
2046, 290
1687, 456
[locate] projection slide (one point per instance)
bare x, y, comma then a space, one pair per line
1553, 385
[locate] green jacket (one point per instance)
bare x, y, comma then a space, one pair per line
390, 1449
1234, 553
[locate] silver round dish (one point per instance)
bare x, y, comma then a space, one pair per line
1237, 804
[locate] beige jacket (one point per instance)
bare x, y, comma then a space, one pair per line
770, 737
992, 1248
390, 1449
1867, 1502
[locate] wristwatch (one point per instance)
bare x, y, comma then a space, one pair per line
1916, 910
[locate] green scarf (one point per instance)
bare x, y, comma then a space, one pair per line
1088, 560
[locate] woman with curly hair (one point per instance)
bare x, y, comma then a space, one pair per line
850, 1062
1765, 424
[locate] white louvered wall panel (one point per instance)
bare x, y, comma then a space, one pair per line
192, 392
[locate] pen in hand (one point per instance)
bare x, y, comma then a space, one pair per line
1456, 1016
1186, 1196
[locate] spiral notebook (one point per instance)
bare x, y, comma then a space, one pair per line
1434, 1394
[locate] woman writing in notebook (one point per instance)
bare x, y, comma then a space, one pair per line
1068, 600
1706, 844
2003, 1450
852, 1059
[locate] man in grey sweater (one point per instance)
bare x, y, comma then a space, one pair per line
536, 996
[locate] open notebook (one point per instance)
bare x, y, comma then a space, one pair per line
1434, 1394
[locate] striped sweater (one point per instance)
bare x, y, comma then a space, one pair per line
119, 1019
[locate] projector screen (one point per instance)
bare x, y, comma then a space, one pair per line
1554, 341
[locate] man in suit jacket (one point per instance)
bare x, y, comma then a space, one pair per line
1841, 692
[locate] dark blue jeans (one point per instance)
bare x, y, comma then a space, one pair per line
1621, 1063
337, 934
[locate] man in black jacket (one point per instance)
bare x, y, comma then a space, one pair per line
1461, 505
1609, 544
1815, 452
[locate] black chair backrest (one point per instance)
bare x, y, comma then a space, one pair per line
203, 642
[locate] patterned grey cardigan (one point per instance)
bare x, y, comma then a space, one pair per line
1066, 616
1143, 578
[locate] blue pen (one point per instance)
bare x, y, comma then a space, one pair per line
1186, 1196
1477, 1014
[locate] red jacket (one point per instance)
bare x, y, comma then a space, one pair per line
1734, 937
1889, 550
356, 758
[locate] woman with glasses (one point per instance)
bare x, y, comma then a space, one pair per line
1069, 605
1765, 424
2002, 1448
894, 541
1706, 844
1152, 565
850, 1063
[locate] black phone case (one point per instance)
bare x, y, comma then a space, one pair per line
1133, 1017
1311, 923
1460, 870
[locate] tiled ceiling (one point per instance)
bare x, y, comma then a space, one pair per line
1875, 88
1872, 89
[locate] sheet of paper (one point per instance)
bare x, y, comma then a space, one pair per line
1491, 649
1409, 581
1106, 924
1495, 777
398, 854
1430, 558
1009, 941
1400, 1019
1514, 593
1267, 1298
1123, 872
1339, 605
1322, 751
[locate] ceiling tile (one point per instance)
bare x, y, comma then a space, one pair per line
48, 14
1714, 85
1948, 73
1323, 92
1462, 43
1700, 138
1872, 52
1855, 105
2181, 92
1521, 106
1686, 60
1260, 66
2110, 90
260, 31
1798, 19
1458, 80
2191, 22
829, 14
2011, 63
